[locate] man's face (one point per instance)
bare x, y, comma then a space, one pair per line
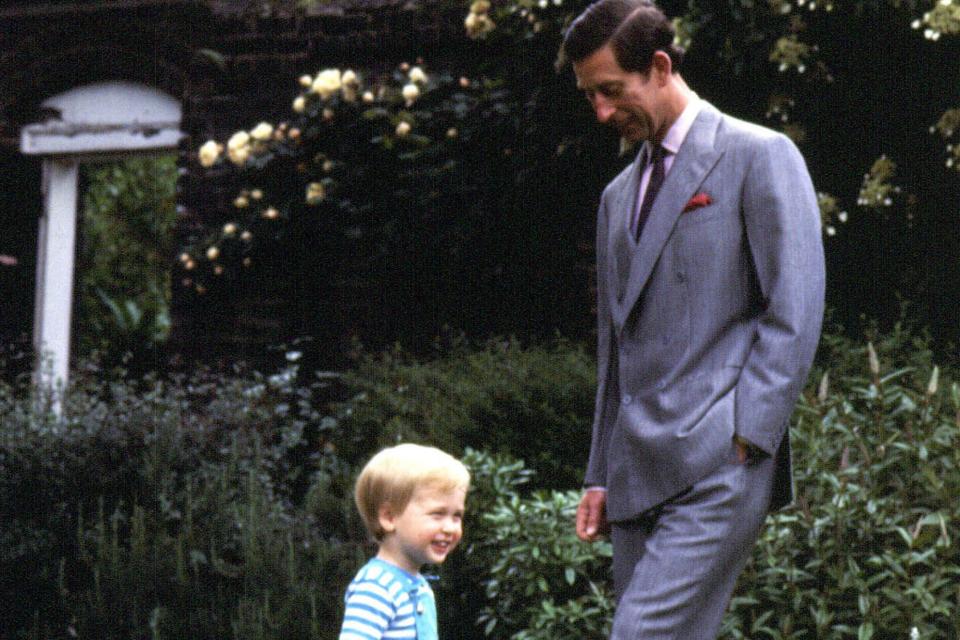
625, 100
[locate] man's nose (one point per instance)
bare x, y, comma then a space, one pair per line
603, 109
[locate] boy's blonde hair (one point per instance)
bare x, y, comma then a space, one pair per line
392, 475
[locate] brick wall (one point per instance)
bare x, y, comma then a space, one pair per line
49, 47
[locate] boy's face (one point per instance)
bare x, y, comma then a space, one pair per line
425, 531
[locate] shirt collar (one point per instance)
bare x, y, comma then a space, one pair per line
678, 131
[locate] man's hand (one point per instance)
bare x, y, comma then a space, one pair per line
592, 515
747, 451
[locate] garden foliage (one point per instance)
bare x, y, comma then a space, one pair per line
219, 506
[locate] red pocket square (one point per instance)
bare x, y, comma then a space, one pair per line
697, 201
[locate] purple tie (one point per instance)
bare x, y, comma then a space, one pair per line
653, 187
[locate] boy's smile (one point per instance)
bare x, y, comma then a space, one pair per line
428, 528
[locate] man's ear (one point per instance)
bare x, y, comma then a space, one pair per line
386, 518
662, 66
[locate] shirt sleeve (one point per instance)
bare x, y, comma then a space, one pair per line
369, 610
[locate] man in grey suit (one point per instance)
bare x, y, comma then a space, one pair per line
710, 286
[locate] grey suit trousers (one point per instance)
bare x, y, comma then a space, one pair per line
676, 566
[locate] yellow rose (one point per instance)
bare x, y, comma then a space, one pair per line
368, 97
410, 93
239, 155
417, 75
213, 253
239, 139
240, 202
229, 229
478, 25
299, 104
306, 80
315, 193
256, 194
184, 257
262, 132
403, 129
480, 6
210, 153
350, 79
246, 236
327, 83
271, 213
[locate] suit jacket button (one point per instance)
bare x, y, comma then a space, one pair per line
626, 399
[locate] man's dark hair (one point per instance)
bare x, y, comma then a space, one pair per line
635, 30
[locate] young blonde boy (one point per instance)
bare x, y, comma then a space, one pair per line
411, 499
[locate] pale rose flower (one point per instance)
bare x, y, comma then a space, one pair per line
189, 264
184, 257
246, 236
327, 82
478, 25
350, 79
464, 82
368, 97
328, 114
262, 132
315, 193
240, 202
256, 194
417, 75
213, 253
403, 129
327, 166
239, 155
210, 153
217, 270
299, 104
452, 132
247, 262
239, 139
480, 6
229, 229
271, 213
294, 133
306, 80
410, 93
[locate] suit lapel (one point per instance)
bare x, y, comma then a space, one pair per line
696, 157
620, 246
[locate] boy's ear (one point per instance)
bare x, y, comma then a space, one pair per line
386, 518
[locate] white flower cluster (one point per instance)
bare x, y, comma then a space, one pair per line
943, 18
876, 190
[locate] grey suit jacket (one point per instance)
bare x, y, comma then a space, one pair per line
709, 326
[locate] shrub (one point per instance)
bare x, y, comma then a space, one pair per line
522, 573
170, 509
868, 551
533, 403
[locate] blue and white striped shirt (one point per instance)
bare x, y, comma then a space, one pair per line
385, 602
